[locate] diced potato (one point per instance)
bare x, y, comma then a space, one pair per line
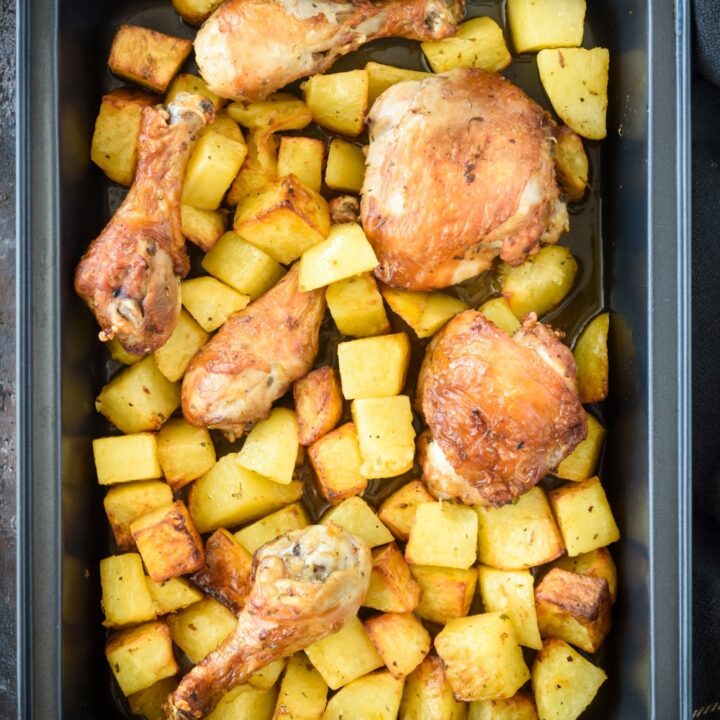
149, 703
292, 517
386, 435
428, 695
117, 130
596, 563
229, 495
125, 596
520, 535
174, 356
336, 460
358, 518
185, 452
318, 404
345, 655
345, 169
202, 227
498, 312
128, 502
356, 306
482, 658
392, 587
168, 542
278, 112
401, 641
520, 706
211, 302
267, 676
373, 697
200, 628
224, 125
303, 692
398, 511
541, 283
245, 702
591, 357
259, 170
188, 83
478, 43
424, 312
118, 353
124, 458
381, 77
302, 157
444, 534
195, 12
338, 102
538, 24
581, 463
147, 57
576, 81
446, 593
141, 656
571, 164
172, 595
139, 398
563, 681
511, 592
584, 516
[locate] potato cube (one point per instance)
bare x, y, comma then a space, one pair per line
596, 563
356, 306
498, 312
581, 463
271, 448
125, 596
512, 592
584, 516
141, 656
482, 658
128, 502
117, 130
338, 102
478, 43
292, 517
520, 535
392, 587
373, 697
424, 312
267, 676
229, 495
563, 681
259, 170
318, 404
345, 655
303, 692
576, 81
520, 706
200, 628
124, 458
401, 641
211, 302
386, 435
538, 24
149, 703
358, 518
278, 112
591, 357
428, 695
444, 535
147, 57
381, 77
140, 398
571, 164
174, 356
345, 169
202, 227
284, 220
445, 593
224, 125
398, 511
185, 452
302, 157
186, 82
195, 12
173, 594
168, 542
336, 460
118, 353
245, 702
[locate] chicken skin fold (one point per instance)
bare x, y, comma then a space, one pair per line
248, 49
306, 585
254, 358
502, 411
130, 275
460, 169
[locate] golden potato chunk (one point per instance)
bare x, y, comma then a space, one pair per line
174, 356
126, 599
392, 587
292, 517
596, 563
118, 353
582, 462
591, 357
202, 227
302, 157
267, 676
338, 102
124, 458
538, 24
200, 628
149, 703
245, 702
318, 404
428, 695
357, 307
345, 169
401, 641
211, 302
398, 511
497, 311
259, 170
373, 697
424, 312
189, 83
303, 692
358, 518
185, 452
381, 77
445, 593
571, 164
173, 594
278, 112
520, 706
195, 12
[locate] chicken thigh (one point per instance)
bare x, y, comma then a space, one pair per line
459, 170
254, 358
130, 275
306, 585
250, 48
502, 411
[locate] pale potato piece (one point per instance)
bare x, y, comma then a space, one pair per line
292, 517
172, 595
211, 302
358, 518
571, 164
538, 24
339, 101
581, 463
303, 692
174, 356
202, 227
373, 697
278, 112
124, 458
520, 706
498, 312
245, 702
401, 640
318, 404
149, 703
381, 77
357, 307
185, 452
195, 12
446, 593
597, 563
126, 599
424, 312
398, 511
591, 357
428, 695
118, 353
345, 169
302, 157
259, 170
392, 588
199, 629
186, 82
266, 677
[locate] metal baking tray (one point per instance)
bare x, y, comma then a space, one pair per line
633, 229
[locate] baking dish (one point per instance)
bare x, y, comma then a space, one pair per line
642, 214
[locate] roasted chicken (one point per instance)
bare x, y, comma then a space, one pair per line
254, 358
130, 275
502, 411
250, 48
306, 585
459, 170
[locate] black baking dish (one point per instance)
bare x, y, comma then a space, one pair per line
62, 204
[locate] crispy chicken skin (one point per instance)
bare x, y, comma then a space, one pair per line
502, 411
459, 170
306, 585
254, 358
250, 48
130, 275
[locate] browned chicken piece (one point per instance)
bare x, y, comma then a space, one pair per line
254, 358
307, 584
344, 209
502, 411
250, 48
459, 170
130, 275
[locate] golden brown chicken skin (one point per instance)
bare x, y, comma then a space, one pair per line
306, 585
130, 275
250, 48
502, 411
254, 358
459, 170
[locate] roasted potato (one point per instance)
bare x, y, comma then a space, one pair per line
149, 703
381, 77
278, 112
124, 458
581, 463
303, 692
318, 404
356, 306
392, 588
591, 357
302, 157
428, 695
398, 511
338, 102
401, 641
202, 227
195, 12
188, 83
424, 312
375, 696
126, 599
538, 24
212, 302
291, 517
345, 169
259, 170
266, 677
596, 563
199, 629
245, 702
358, 518
172, 595
571, 164
498, 312
520, 706
185, 452
174, 356
445, 593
